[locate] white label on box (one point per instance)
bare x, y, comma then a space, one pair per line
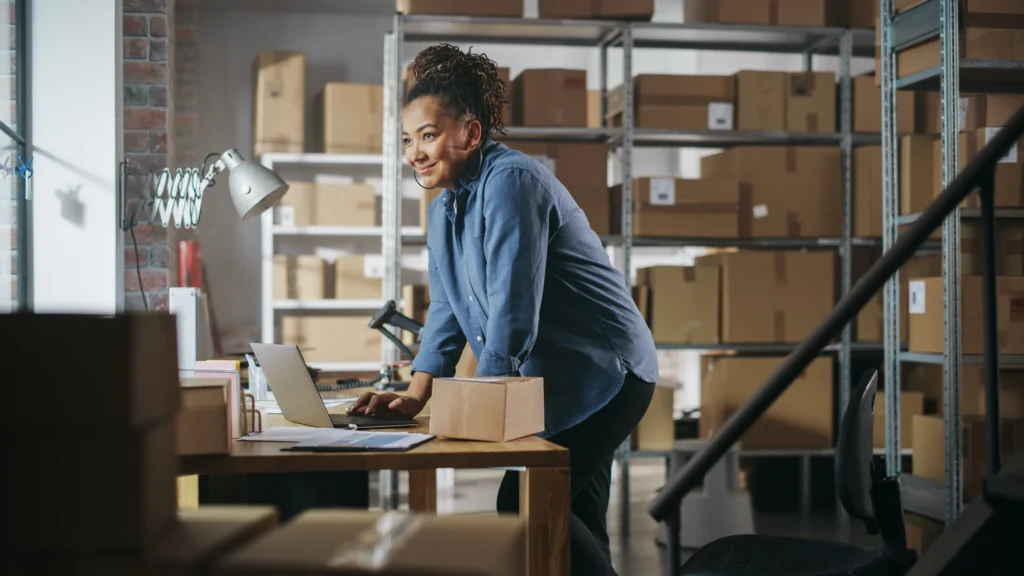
547, 161
663, 191
916, 291
962, 116
1011, 155
760, 211
373, 266
720, 116
285, 215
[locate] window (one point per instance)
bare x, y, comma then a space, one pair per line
15, 166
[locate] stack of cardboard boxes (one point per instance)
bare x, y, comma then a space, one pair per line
559, 9
818, 13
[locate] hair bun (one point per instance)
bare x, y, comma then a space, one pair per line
468, 81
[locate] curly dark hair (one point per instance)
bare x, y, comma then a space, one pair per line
466, 83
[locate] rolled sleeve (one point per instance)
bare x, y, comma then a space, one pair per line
517, 210
443, 340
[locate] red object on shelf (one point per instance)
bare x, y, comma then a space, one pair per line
190, 265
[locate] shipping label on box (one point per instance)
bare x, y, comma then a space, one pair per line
720, 115
488, 409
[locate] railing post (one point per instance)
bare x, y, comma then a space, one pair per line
988, 303
674, 525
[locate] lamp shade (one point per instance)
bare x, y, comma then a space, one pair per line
254, 188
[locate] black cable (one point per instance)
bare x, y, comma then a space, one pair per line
138, 269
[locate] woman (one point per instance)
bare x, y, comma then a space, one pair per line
516, 269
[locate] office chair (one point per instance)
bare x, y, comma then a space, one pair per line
866, 493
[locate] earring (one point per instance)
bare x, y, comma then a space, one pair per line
479, 166
418, 182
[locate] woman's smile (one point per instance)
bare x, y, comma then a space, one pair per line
425, 168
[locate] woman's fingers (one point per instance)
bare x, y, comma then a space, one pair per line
358, 405
372, 406
396, 404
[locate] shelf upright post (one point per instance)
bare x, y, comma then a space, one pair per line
626, 158
890, 232
949, 87
846, 243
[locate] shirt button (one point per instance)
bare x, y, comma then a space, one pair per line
470, 298
479, 338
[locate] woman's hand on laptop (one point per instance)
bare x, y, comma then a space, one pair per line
387, 404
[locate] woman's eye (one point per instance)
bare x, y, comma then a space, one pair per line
428, 136
406, 141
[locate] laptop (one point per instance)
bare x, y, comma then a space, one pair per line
298, 398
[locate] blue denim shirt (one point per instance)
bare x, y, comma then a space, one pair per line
516, 269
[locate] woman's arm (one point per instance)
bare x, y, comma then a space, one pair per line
443, 341
516, 212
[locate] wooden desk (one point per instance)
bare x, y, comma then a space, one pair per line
543, 488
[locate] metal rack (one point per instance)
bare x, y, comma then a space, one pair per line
926, 22
605, 35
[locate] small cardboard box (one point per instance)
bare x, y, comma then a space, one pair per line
657, 429
596, 9
511, 8
911, 404
298, 206
811, 102
358, 276
678, 208
917, 173
552, 97
331, 339
322, 542
773, 297
800, 418
350, 118
867, 191
466, 368
867, 108
301, 277
694, 102
582, 169
488, 409
926, 315
814, 13
730, 11
345, 205
1009, 175
761, 100
683, 303
203, 423
279, 102
988, 110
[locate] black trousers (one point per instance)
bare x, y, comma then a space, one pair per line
592, 444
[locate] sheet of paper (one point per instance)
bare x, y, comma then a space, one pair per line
272, 407
285, 434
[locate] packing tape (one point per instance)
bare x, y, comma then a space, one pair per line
373, 548
801, 83
779, 325
791, 160
812, 122
792, 224
780, 268
689, 274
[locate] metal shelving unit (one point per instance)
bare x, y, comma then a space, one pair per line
923, 23
605, 35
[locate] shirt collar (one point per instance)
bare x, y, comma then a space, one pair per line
470, 179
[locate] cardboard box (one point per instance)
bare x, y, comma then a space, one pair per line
657, 429
972, 392
511, 8
296, 207
811, 102
683, 303
867, 108
800, 418
929, 116
921, 532
350, 118
554, 97
863, 14
331, 338
773, 297
867, 191
466, 368
358, 276
679, 208
911, 404
594, 109
345, 205
316, 542
279, 103
299, 277
1009, 176
795, 192
1009, 252
926, 315
929, 447
596, 9
988, 110
926, 379
730, 11
870, 326
761, 100
976, 43
203, 423
677, 102
582, 169
930, 453
488, 409
815, 13
917, 173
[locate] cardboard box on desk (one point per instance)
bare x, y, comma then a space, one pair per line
203, 425
684, 303
633, 10
926, 315
800, 418
550, 97
730, 11
678, 208
349, 118
811, 102
489, 409
773, 297
761, 100
300, 277
322, 542
794, 191
911, 404
582, 169
279, 102
677, 102
513, 8
331, 339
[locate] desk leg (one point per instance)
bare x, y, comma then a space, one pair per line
423, 491
544, 503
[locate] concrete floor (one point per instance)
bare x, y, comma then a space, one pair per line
638, 555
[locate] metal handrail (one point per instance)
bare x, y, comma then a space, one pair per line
665, 506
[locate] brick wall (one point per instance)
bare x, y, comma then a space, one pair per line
9, 159
186, 82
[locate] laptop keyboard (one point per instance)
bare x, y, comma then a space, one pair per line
345, 420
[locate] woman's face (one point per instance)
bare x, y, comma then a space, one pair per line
436, 144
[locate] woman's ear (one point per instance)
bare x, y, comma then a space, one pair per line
474, 134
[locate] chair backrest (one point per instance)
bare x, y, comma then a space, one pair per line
855, 450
